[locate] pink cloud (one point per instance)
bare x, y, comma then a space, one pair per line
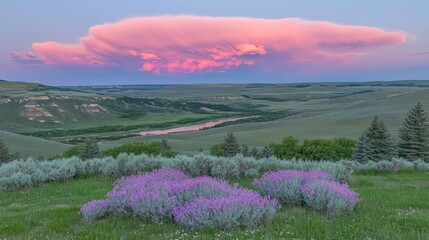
203, 44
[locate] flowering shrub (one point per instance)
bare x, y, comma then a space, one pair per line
243, 208
94, 209
329, 196
285, 185
159, 195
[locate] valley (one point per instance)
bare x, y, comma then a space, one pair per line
63, 116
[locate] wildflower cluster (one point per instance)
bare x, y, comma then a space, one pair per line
170, 195
315, 189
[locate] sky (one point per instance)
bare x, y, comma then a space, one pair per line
101, 42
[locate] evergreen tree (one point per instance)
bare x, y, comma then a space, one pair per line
266, 152
165, 146
375, 143
414, 135
254, 153
4, 153
230, 145
245, 150
90, 150
166, 149
361, 151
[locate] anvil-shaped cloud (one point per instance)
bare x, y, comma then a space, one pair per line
203, 44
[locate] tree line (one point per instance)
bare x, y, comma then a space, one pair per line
377, 144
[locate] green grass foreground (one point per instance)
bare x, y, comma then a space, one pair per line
393, 206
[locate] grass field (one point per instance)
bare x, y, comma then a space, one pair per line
30, 146
393, 206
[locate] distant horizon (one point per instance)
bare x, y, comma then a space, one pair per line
216, 83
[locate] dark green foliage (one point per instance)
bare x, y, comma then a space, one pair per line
166, 149
90, 150
414, 135
73, 151
327, 149
231, 145
245, 150
316, 149
288, 149
115, 128
375, 143
217, 150
150, 148
266, 152
4, 153
254, 153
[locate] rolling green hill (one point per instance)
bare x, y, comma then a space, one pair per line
31, 146
318, 110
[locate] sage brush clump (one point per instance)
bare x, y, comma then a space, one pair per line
26, 173
285, 185
242, 208
95, 209
329, 196
168, 194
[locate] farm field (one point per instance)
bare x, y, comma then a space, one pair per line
393, 206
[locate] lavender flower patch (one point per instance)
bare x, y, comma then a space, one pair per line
329, 196
285, 185
93, 210
160, 195
243, 208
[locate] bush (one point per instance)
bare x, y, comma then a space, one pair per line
168, 194
25, 173
244, 208
315, 150
285, 185
137, 148
329, 196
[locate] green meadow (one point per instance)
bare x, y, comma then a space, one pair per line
393, 206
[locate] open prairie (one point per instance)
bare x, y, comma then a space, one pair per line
115, 114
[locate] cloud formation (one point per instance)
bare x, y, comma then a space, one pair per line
203, 44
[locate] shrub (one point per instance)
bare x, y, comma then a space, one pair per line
151, 148
25, 173
329, 196
93, 210
244, 208
316, 149
285, 185
160, 195
4, 153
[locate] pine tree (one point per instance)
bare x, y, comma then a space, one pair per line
90, 150
375, 143
266, 152
230, 145
4, 153
414, 135
166, 149
254, 153
361, 152
245, 150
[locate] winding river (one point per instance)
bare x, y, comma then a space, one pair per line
194, 127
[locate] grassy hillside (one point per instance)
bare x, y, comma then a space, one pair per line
31, 146
318, 110
319, 114
392, 207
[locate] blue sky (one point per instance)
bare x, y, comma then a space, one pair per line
26, 22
